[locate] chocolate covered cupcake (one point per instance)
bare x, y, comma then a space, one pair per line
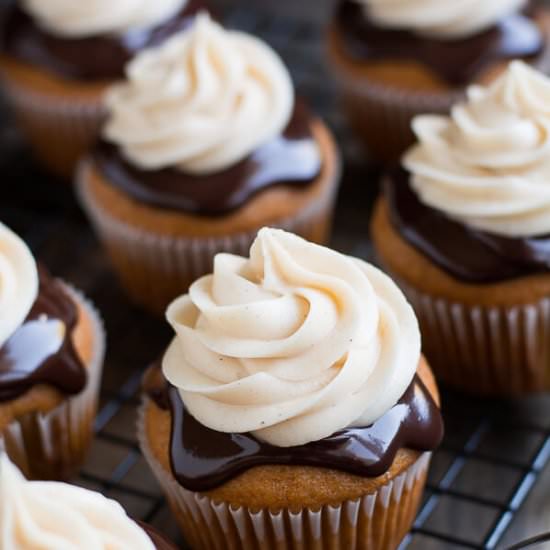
293, 405
51, 515
58, 58
51, 358
464, 228
205, 143
394, 60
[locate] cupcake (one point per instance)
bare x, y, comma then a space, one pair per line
464, 229
50, 515
57, 58
51, 358
204, 144
395, 60
293, 404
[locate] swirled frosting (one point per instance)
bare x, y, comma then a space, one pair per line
292, 344
85, 18
58, 516
201, 102
18, 282
488, 164
445, 19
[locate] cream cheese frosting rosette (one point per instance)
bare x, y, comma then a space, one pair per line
201, 102
488, 164
445, 19
292, 344
59, 516
18, 282
82, 19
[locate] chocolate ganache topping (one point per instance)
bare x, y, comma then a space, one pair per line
292, 158
457, 61
41, 350
203, 459
465, 253
94, 58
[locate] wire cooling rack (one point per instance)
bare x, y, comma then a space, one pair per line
493, 452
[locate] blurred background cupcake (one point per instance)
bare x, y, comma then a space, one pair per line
52, 515
293, 406
51, 358
464, 228
394, 60
204, 144
58, 57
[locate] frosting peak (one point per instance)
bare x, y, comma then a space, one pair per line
18, 282
85, 18
201, 102
488, 164
292, 344
58, 516
445, 19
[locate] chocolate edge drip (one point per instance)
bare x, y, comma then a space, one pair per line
467, 254
457, 62
292, 159
36, 353
203, 459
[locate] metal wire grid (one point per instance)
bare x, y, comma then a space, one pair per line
493, 452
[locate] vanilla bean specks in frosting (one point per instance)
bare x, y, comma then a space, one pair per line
444, 19
58, 516
85, 18
201, 102
18, 282
292, 344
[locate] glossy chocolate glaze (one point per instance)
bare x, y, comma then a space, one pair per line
292, 158
94, 58
467, 254
203, 459
41, 350
160, 542
456, 62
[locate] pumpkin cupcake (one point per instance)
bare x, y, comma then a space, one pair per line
52, 515
464, 228
58, 58
204, 144
293, 405
51, 358
394, 60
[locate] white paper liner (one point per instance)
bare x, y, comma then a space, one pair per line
487, 350
59, 129
378, 521
53, 445
155, 269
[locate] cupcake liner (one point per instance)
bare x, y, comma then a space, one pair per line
485, 350
154, 269
378, 521
59, 127
53, 445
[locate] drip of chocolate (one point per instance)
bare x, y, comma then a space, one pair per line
94, 58
157, 539
457, 62
465, 253
203, 459
41, 350
292, 158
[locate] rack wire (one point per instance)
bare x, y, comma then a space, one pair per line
493, 452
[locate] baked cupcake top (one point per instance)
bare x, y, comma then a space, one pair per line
205, 121
288, 356
55, 516
93, 39
457, 40
482, 174
37, 319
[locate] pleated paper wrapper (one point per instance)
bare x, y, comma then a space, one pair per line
378, 521
53, 445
